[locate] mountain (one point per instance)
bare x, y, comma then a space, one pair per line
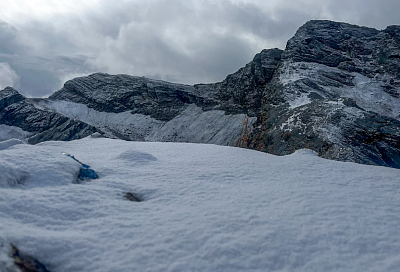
337, 92
22, 118
335, 89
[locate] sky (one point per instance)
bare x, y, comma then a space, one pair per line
43, 43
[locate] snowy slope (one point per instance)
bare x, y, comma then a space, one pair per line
193, 125
205, 208
11, 132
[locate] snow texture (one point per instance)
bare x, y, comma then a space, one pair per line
9, 143
204, 208
11, 132
35, 166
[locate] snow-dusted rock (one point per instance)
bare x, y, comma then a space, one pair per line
24, 118
337, 92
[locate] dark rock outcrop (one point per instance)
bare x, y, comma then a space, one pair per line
44, 124
242, 91
335, 93
132, 197
120, 93
9, 96
26, 263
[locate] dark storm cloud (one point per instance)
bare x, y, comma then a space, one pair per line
182, 42
185, 41
372, 13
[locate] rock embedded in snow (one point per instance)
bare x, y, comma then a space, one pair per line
132, 197
26, 263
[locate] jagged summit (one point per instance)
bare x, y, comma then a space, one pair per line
335, 89
9, 96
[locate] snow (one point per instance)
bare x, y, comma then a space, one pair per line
11, 132
292, 72
9, 143
137, 126
367, 92
370, 96
299, 101
205, 208
34, 166
193, 125
197, 126
293, 122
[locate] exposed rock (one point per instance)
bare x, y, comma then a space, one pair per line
26, 263
120, 93
41, 124
132, 197
242, 91
9, 96
336, 94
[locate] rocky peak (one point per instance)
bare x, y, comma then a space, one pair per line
330, 43
9, 96
393, 30
337, 92
243, 90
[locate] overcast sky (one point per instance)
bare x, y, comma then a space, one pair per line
43, 43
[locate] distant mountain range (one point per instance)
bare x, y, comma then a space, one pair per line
335, 89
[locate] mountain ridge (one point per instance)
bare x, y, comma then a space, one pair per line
334, 89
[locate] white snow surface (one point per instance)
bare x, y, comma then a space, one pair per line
193, 125
11, 132
299, 101
205, 208
9, 143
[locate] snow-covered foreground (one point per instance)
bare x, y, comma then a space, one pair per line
205, 208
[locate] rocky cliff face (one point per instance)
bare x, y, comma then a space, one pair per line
39, 124
334, 89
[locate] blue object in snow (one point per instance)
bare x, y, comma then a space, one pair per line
85, 172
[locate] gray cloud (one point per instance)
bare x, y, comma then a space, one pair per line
8, 77
185, 41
